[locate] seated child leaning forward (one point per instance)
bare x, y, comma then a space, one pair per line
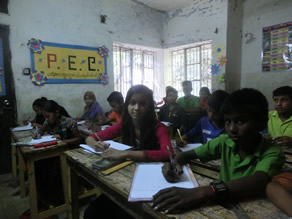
210, 126
248, 161
59, 124
92, 109
116, 101
139, 128
280, 120
38, 106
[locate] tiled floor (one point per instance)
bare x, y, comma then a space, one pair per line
12, 206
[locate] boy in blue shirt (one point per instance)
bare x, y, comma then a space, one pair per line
210, 126
248, 161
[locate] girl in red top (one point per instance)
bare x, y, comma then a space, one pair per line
139, 128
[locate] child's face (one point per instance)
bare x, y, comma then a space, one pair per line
52, 117
213, 115
37, 110
242, 129
283, 104
88, 100
187, 89
204, 95
138, 106
171, 97
116, 107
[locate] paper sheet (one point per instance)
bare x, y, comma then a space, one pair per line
166, 123
43, 139
81, 122
189, 147
148, 180
113, 144
23, 128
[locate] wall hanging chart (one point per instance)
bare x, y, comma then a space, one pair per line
62, 63
277, 48
222, 60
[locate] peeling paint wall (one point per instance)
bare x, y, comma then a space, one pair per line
195, 23
233, 48
256, 15
74, 22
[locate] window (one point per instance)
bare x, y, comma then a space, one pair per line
4, 6
132, 66
192, 63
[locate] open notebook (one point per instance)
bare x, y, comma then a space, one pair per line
148, 180
189, 147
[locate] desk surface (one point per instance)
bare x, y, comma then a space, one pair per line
120, 182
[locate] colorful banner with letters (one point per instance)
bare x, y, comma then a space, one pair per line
61, 63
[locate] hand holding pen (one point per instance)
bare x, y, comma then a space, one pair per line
171, 171
181, 141
100, 146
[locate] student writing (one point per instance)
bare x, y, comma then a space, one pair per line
38, 106
248, 161
210, 126
139, 128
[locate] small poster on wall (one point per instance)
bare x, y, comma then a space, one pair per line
62, 63
277, 48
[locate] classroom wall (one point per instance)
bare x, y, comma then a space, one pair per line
256, 15
201, 21
74, 22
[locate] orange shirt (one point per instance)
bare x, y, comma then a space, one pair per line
115, 116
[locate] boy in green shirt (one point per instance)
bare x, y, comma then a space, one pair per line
280, 120
248, 161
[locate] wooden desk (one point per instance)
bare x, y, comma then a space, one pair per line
27, 157
117, 185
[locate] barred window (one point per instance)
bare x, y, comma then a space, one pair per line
192, 63
131, 67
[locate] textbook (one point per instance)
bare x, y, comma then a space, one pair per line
148, 180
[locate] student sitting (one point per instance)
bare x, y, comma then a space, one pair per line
116, 101
38, 106
138, 128
190, 104
171, 111
204, 94
248, 161
279, 191
210, 126
92, 110
280, 120
59, 124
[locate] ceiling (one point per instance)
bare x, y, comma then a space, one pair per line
165, 5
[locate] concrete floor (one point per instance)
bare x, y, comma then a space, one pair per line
12, 206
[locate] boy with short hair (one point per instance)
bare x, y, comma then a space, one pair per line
116, 101
280, 120
208, 127
171, 111
248, 161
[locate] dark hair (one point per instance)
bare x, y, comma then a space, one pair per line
247, 100
185, 83
148, 139
285, 90
216, 100
115, 97
205, 89
170, 89
40, 102
52, 106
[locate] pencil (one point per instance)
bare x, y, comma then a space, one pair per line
179, 135
97, 137
171, 160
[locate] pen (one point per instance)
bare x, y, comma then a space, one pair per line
97, 137
180, 135
171, 160
37, 131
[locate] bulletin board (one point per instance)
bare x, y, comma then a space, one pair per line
62, 63
277, 48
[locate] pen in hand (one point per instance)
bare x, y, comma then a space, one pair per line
37, 131
171, 160
180, 135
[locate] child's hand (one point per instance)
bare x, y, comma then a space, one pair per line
100, 146
25, 122
283, 141
57, 136
181, 143
113, 154
35, 136
169, 173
